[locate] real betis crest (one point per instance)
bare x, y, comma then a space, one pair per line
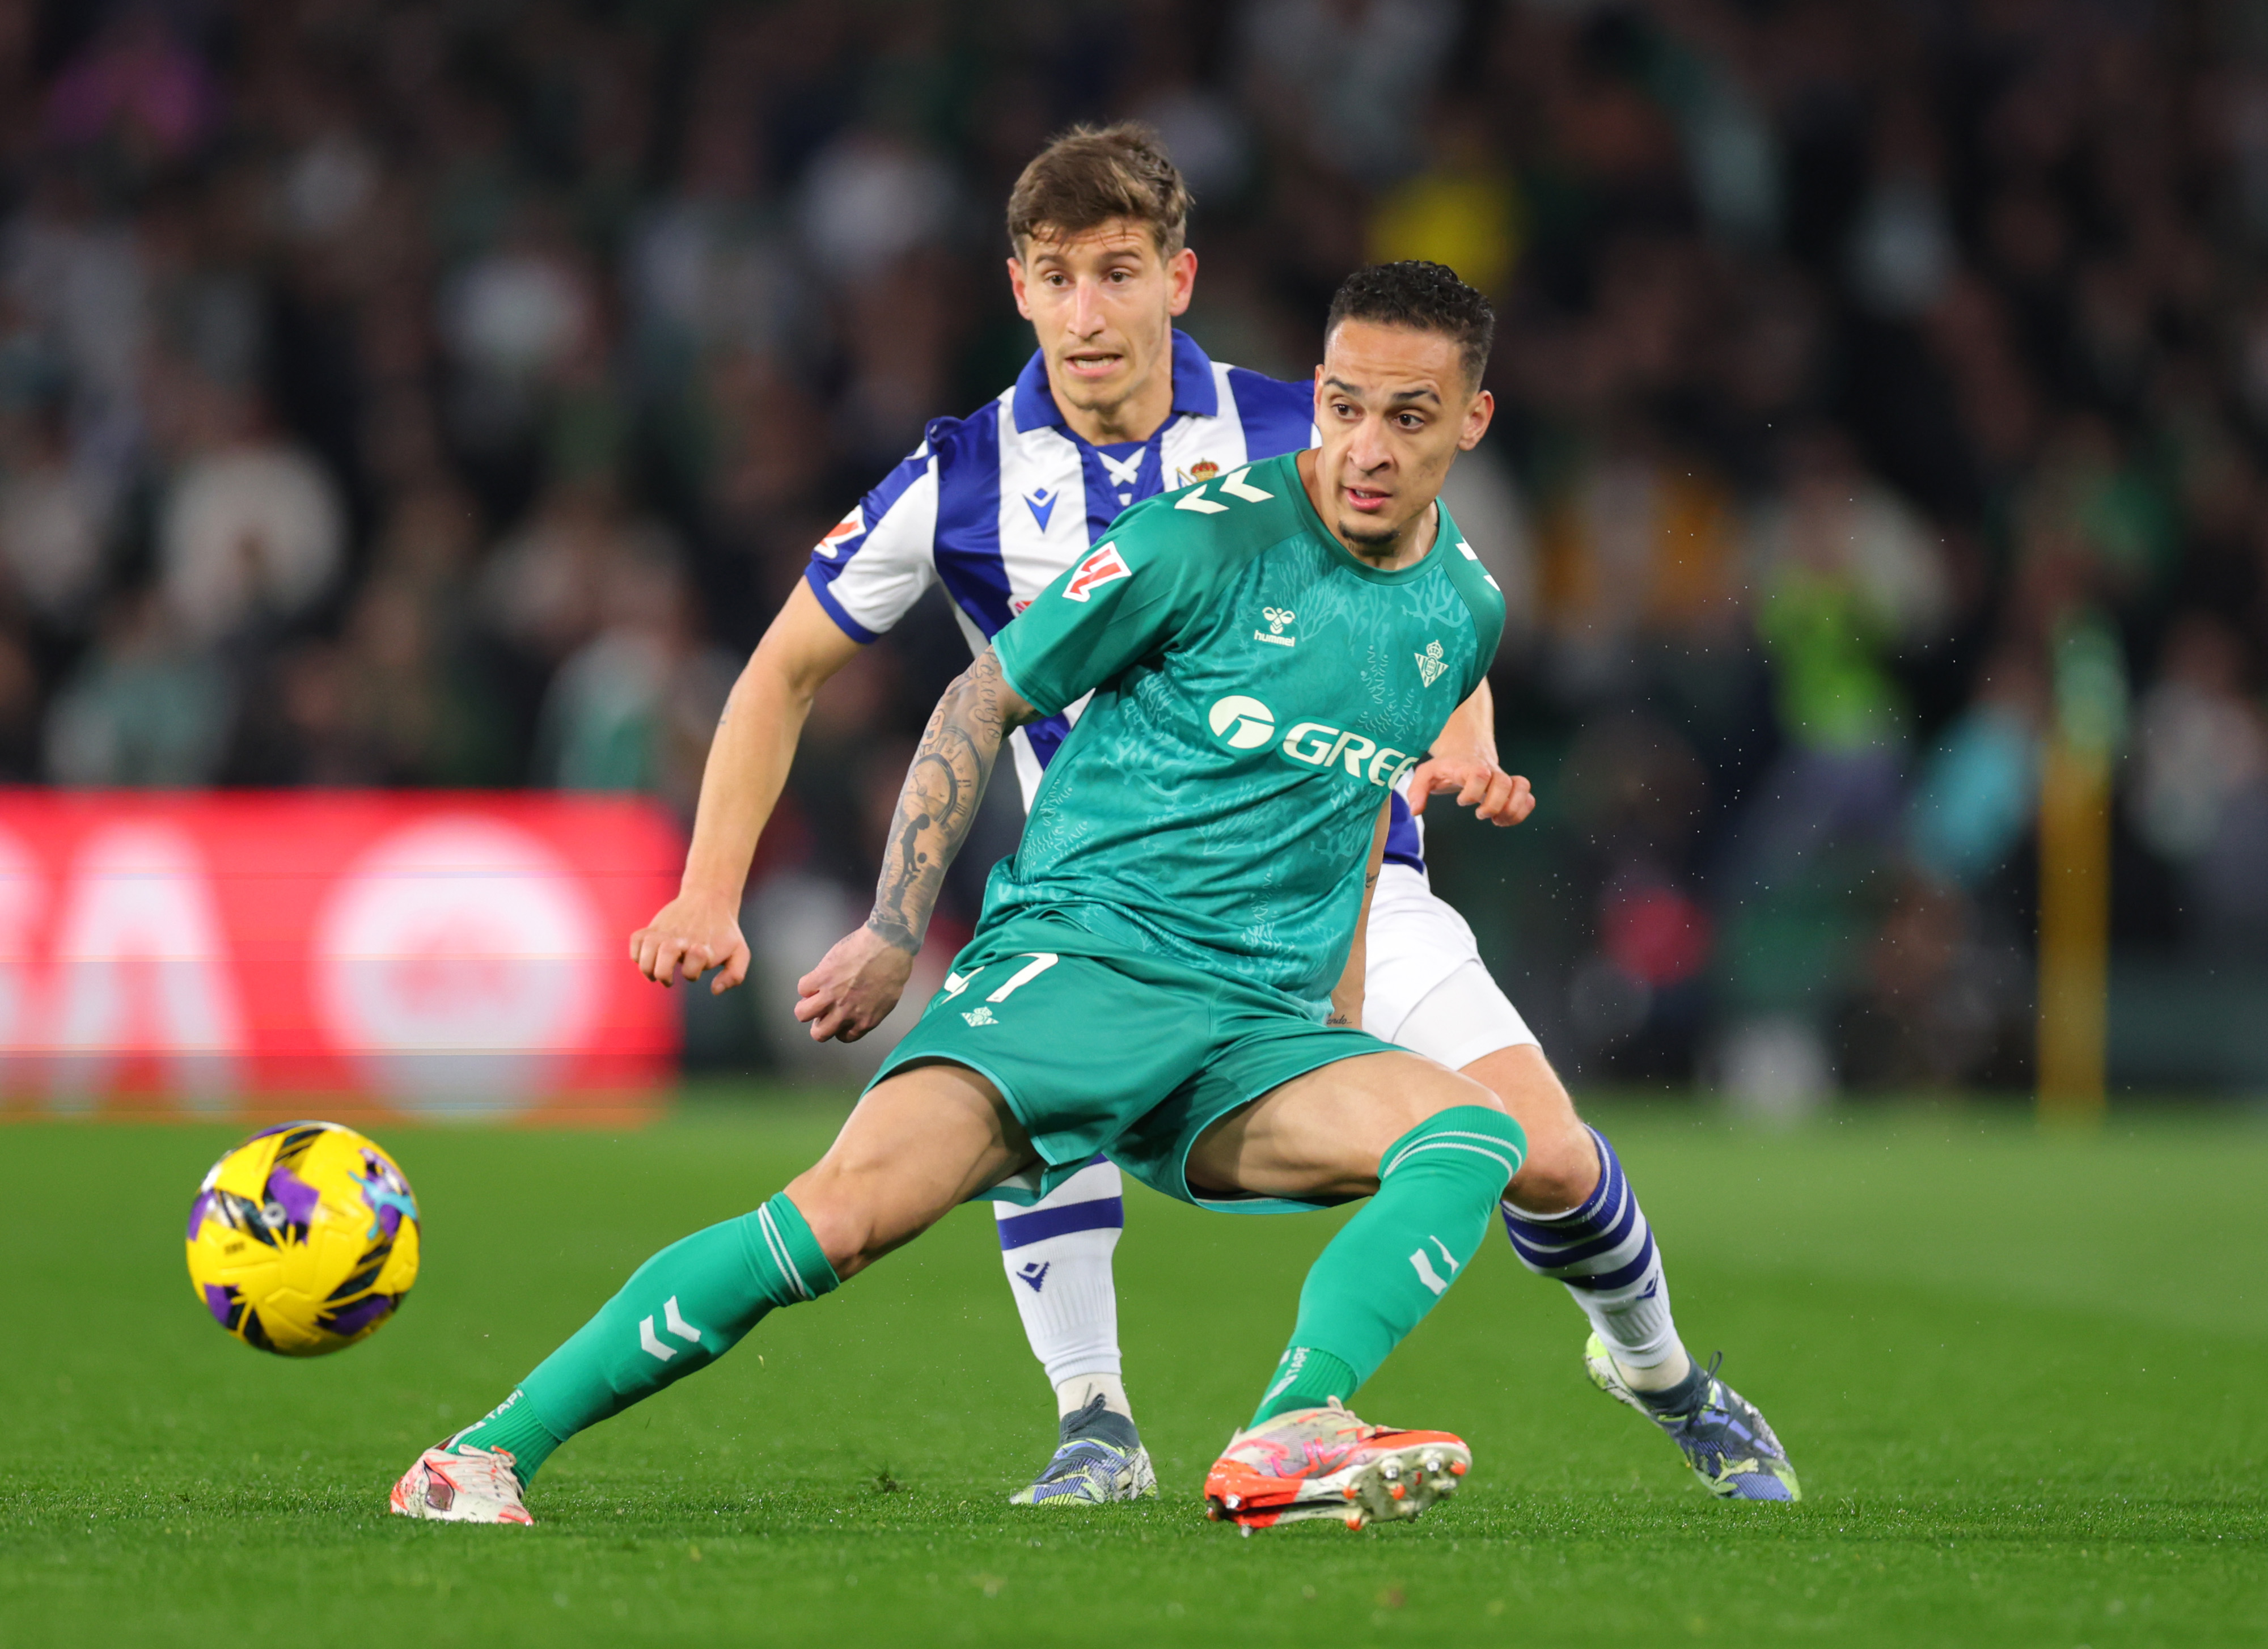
1430, 662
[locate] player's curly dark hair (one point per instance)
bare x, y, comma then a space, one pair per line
1092, 174
1428, 296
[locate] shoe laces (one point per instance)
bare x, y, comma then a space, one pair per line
1100, 1425
1705, 1404
491, 1471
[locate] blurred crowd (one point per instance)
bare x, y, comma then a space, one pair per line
446, 392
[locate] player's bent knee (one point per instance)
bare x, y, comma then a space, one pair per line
843, 1225
1563, 1165
859, 1213
1562, 1169
920, 1142
1407, 1091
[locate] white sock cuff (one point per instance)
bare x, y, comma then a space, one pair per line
1097, 1181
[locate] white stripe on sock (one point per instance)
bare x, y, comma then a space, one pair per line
778, 1244
1442, 1143
1447, 1133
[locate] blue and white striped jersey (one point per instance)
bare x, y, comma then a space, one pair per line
996, 506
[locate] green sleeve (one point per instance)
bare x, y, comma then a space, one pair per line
1488, 635
1482, 599
1123, 603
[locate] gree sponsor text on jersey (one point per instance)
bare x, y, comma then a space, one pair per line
1243, 723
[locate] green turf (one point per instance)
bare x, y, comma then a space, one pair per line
2021, 1377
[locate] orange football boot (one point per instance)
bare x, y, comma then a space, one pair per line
1325, 1462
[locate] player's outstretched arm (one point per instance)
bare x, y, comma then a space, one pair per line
749, 760
1463, 759
858, 983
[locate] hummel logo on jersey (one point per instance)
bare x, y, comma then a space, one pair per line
1041, 502
1466, 550
980, 1015
1246, 724
1276, 617
1035, 1273
1235, 486
1430, 662
1104, 566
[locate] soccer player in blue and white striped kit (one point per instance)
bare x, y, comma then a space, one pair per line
1115, 406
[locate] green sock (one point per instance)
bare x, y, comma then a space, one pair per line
1438, 1189
680, 1311
1306, 1379
511, 1426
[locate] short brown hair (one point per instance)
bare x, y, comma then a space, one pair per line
1092, 174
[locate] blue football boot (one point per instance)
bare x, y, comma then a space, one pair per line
1722, 1436
1101, 1459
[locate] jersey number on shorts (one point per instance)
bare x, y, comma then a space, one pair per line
955, 983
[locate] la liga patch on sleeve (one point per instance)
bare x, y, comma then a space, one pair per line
1103, 566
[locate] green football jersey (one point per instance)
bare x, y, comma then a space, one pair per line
1257, 691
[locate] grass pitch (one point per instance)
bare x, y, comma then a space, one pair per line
2021, 1377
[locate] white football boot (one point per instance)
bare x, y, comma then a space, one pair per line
1325, 1462
473, 1485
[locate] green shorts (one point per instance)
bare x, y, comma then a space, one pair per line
1097, 1048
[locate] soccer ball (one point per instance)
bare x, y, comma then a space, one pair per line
303, 1239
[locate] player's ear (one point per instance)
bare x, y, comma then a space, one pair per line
1180, 280
1016, 286
1478, 416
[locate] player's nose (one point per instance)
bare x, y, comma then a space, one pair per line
1368, 449
1087, 318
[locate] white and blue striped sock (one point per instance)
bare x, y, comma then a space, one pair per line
1604, 1252
1056, 1253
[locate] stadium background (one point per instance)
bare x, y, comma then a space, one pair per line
1882, 398
1880, 388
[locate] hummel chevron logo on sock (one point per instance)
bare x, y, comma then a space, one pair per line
678, 1325
1426, 1274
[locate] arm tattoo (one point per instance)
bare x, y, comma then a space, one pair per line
939, 802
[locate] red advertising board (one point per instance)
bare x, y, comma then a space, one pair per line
406, 953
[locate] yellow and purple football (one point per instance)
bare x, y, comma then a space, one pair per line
303, 1239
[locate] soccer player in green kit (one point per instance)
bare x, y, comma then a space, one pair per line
1169, 968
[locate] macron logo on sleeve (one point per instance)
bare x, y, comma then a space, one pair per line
1106, 565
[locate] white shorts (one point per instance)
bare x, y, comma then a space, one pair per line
1424, 986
